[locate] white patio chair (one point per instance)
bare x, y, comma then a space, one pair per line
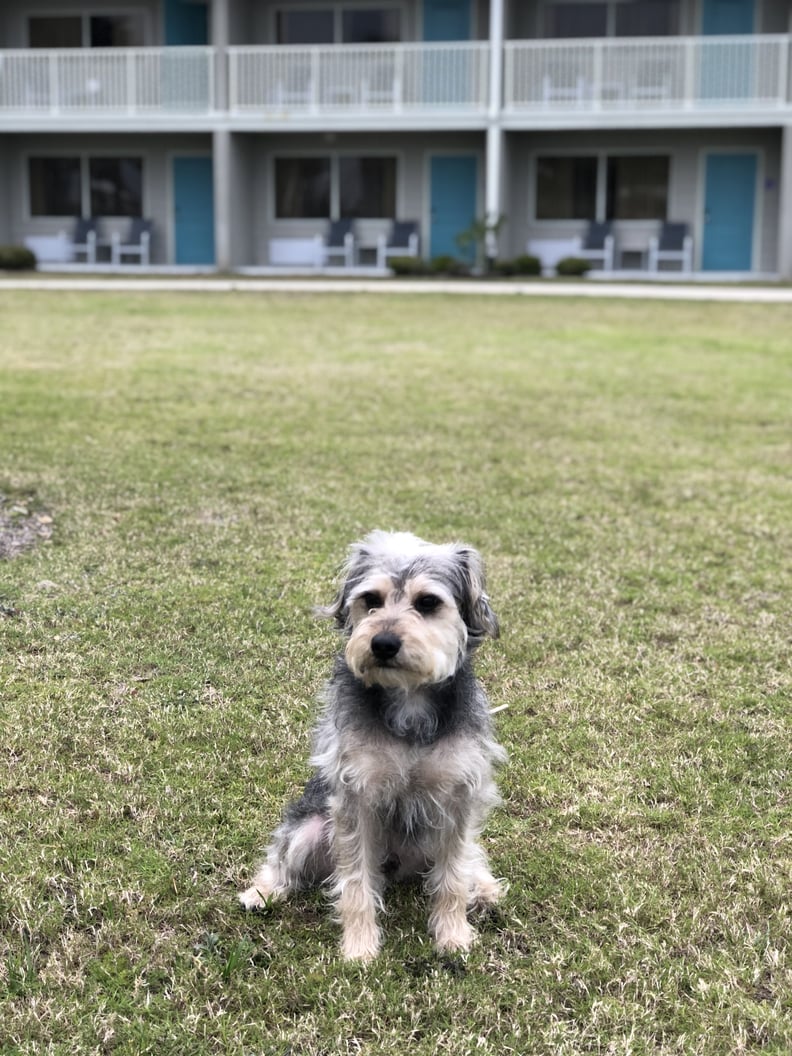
401, 241
137, 242
85, 238
673, 244
339, 243
598, 245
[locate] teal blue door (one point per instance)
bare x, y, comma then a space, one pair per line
729, 200
186, 22
193, 203
727, 17
452, 196
447, 20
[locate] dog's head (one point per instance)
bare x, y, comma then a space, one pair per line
411, 610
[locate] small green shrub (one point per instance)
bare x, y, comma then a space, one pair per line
527, 264
573, 267
17, 258
503, 267
448, 265
407, 266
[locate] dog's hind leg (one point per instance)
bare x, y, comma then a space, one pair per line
299, 855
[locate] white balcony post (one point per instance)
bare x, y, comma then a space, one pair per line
783, 71
313, 87
398, 79
53, 79
597, 79
689, 90
508, 77
233, 80
130, 82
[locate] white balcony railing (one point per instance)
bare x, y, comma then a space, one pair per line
107, 80
640, 74
381, 78
552, 77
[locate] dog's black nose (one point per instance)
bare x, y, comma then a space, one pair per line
385, 645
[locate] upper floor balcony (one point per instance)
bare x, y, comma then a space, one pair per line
710, 80
636, 82
97, 84
389, 82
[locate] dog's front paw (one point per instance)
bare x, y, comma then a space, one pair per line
453, 934
253, 898
485, 892
361, 942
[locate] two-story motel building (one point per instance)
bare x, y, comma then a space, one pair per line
237, 124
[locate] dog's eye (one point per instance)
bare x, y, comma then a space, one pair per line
427, 604
371, 600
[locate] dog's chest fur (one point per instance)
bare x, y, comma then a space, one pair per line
433, 745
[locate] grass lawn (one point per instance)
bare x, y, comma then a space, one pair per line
200, 464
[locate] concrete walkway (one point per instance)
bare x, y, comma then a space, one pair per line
626, 290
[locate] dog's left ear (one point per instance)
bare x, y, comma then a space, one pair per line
474, 604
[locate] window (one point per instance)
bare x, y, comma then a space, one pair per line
576, 20
341, 25
566, 188
58, 186
115, 31
305, 27
116, 186
611, 18
629, 187
55, 186
335, 186
367, 187
55, 32
370, 26
637, 188
302, 188
647, 18
85, 31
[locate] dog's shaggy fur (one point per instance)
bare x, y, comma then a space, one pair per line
404, 751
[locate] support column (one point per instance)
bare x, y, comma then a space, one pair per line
785, 206
221, 164
494, 147
221, 138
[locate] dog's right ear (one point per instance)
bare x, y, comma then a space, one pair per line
352, 575
338, 609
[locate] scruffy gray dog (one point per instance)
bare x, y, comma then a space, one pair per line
404, 751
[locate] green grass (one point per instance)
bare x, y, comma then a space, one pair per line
625, 470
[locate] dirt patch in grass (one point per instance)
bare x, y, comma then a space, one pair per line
21, 526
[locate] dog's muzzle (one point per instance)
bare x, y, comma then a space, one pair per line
384, 646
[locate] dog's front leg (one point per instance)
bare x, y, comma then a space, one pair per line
449, 882
358, 854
